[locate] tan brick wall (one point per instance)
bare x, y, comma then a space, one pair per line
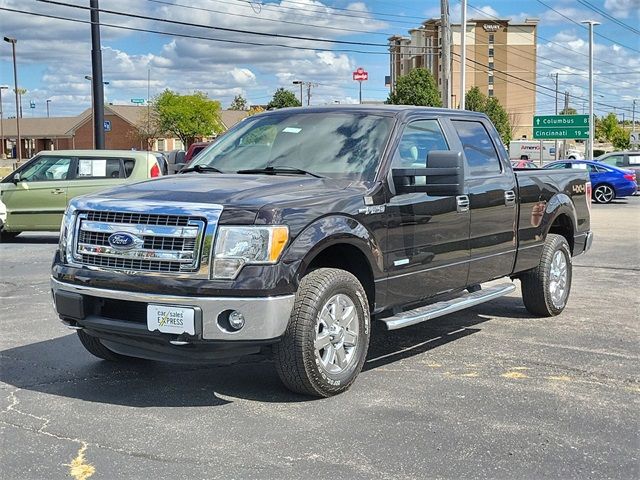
119, 138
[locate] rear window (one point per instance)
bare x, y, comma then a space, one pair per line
100, 168
634, 159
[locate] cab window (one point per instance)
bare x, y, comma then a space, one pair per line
418, 139
46, 168
89, 168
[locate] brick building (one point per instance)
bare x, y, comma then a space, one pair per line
62, 133
501, 62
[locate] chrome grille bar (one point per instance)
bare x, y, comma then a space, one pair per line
155, 230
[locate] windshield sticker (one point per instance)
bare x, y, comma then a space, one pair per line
292, 130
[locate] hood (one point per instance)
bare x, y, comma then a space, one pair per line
242, 196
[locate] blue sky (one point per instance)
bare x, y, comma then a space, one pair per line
54, 55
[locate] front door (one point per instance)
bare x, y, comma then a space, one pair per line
428, 239
492, 190
38, 200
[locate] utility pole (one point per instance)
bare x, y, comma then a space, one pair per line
633, 117
555, 154
301, 83
13, 41
3, 155
589, 152
97, 86
445, 58
48, 102
309, 85
565, 112
148, 107
463, 53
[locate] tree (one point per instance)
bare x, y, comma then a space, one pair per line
476, 101
188, 117
416, 88
621, 139
282, 99
568, 111
147, 129
255, 110
607, 127
239, 103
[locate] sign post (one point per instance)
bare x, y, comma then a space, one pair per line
560, 127
360, 76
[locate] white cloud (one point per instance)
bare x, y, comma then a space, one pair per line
623, 8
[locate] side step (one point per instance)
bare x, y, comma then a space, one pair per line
422, 314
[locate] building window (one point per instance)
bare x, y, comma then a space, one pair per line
490, 79
490, 92
490, 65
492, 38
491, 51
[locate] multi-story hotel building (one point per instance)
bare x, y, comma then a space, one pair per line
501, 62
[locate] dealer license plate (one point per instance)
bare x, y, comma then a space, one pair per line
168, 319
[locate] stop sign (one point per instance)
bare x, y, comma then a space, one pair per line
360, 75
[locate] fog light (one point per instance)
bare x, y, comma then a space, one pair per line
236, 320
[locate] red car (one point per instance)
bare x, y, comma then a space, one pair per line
194, 150
523, 164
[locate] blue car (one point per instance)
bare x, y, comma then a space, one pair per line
607, 182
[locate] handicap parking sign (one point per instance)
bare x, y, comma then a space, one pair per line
107, 125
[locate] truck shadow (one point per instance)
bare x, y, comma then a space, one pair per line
33, 238
61, 366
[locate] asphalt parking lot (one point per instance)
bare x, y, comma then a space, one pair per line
487, 393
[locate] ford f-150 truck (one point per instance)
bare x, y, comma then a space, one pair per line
300, 227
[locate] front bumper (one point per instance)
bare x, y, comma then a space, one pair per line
266, 318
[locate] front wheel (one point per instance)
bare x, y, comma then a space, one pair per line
95, 347
604, 194
545, 289
326, 342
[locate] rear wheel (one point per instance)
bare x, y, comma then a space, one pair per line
95, 347
604, 194
545, 289
326, 342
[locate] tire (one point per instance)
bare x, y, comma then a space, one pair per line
604, 194
95, 347
8, 236
326, 342
545, 289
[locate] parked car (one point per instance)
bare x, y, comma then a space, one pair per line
37, 193
607, 182
625, 160
194, 149
294, 245
162, 161
523, 164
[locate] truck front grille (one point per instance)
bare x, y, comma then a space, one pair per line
158, 243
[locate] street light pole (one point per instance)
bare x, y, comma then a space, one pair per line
48, 102
589, 152
93, 116
13, 41
463, 54
3, 155
633, 117
299, 82
96, 71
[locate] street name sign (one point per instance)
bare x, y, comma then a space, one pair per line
559, 127
137, 100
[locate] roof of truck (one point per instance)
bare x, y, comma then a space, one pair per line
380, 109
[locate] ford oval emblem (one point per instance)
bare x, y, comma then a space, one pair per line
123, 240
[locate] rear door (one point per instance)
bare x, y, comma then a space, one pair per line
428, 238
92, 174
39, 199
491, 186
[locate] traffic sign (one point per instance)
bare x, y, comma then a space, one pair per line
360, 75
561, 133
107, 125
558, 127
137, 100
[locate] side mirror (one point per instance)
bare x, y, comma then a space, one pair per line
178, 166
444, 175
16, 178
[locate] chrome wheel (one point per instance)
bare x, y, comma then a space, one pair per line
604, 194
558, 279
336, 339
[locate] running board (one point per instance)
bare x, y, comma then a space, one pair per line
422, 314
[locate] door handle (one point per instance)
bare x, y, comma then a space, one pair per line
462, 203
57, 191
509, 198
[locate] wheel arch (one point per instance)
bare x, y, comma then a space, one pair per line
560, 217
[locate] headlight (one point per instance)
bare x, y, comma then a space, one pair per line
66, 231
240, 246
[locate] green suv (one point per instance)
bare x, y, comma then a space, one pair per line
37, 193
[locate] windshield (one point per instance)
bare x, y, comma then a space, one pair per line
337, 145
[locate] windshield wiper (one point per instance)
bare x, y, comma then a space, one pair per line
276, 169
200, 169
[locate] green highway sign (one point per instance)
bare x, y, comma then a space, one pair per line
561, 133
558, 127
137, 100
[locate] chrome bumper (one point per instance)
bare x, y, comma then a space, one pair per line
265, 317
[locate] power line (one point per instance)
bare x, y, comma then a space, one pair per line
197, 37
591, 6
583, 27
262, 19
211, 27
